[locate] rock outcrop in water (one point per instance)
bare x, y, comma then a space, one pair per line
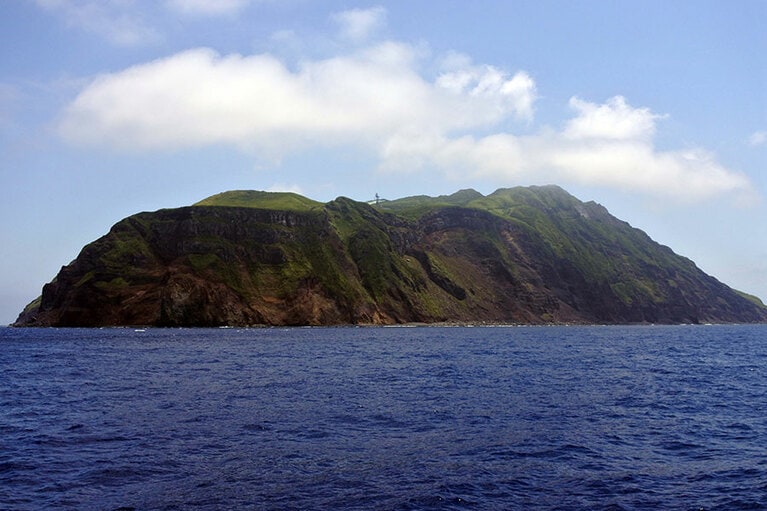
521, 255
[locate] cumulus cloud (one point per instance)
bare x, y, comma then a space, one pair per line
613, 120
377, 98
199, 97
359, 24
116, 21
607, 144
465, 79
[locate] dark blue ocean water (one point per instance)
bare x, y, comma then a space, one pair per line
566, 418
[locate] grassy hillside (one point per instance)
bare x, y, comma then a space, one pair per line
285, 201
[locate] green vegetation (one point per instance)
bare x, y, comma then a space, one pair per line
33, 306
201, 262
285, 201
419, 205
115, 283
86, 278
367, 239
751, 298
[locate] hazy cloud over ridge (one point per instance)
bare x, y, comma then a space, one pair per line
606, 144
378, 98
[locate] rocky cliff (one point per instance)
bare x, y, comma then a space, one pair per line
521, 255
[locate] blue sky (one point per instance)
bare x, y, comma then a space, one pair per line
655, 109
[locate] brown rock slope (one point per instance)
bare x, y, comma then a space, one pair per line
521, 255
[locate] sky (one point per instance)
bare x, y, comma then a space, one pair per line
655, 109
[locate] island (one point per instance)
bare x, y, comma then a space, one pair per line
523, 255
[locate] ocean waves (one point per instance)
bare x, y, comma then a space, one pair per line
555, 418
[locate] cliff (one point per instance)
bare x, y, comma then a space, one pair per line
521, 255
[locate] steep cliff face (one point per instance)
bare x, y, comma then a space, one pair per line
524, 255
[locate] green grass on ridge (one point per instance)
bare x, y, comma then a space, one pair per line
284, 201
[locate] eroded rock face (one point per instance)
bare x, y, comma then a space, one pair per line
524, 255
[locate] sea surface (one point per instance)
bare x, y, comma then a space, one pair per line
540, 418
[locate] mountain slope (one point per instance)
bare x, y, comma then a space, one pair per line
522, 255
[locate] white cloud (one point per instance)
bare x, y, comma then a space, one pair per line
758, 138
198, 97
614, 120
208, 7
514, 94
376, 98
604, 145
359, 24
117, 21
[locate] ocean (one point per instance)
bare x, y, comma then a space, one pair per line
422, 418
